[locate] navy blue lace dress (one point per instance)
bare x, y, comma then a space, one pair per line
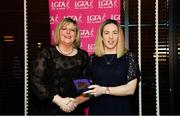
52, 74
112, 71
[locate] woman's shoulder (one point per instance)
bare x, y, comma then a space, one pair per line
132, 56
130, 53
46, 51
92, 57
82, 51
45, 48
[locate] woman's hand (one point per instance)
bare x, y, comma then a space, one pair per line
66, 104
95, 90
70, 105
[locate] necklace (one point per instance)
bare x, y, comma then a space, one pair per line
66, 54
109, 62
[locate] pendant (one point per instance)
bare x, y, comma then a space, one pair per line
109, 62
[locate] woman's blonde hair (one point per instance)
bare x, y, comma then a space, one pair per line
60, 26
99, 45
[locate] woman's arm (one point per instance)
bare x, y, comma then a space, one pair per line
39, 78
122, 90
82, 98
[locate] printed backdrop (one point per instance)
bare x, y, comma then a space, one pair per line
88, 13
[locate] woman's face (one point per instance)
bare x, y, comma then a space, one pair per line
110, 37
68, 34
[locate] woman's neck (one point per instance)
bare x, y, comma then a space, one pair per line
65, 48
110, 51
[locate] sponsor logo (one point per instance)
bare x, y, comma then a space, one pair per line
107, 4
83, 4
87, 33
57, 5
54, 19
90, 47
116, 17
75, 17
95, 18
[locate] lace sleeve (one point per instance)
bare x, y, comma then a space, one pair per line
39, 79
133, 68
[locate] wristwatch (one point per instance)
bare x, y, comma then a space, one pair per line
107, 91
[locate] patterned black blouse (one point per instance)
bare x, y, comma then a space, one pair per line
53, 73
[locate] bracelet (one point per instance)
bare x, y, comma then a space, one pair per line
107, 91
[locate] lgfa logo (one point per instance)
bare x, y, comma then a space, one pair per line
95, 18
107, 4
76, 18
83, 4
90, 47
116, 17
87, 33
54, 19
59, 5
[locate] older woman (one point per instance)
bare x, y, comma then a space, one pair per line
55, 68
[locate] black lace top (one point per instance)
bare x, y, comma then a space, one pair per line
53, 73
118, 71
